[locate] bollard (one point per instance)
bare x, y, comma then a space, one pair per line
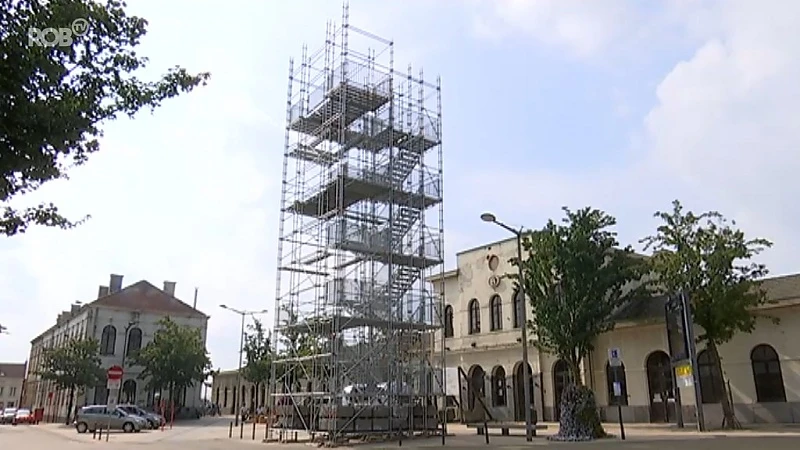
94, 434
254, 430
230, 431
241, 430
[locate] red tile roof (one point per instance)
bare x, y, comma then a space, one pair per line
143, 296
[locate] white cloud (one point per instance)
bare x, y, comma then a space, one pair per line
722, 133
580, 27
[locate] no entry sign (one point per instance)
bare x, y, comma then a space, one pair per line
114, 375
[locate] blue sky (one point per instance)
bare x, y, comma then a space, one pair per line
546, 103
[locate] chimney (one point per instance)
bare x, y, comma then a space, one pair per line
169, 287
102, 291
115, 284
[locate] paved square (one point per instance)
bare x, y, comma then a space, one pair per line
212, 434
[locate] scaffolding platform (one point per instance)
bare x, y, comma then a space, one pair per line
339, 108
341, 193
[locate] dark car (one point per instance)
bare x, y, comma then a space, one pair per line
153, 420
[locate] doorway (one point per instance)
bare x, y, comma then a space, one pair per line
660, 388
561, 378
519, 391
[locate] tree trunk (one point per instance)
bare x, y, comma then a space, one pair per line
575, 371
70, 404
729, 415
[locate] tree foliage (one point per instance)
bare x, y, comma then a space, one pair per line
175, 359
708, 258
258, 355
576, 278
53, 99
74, 365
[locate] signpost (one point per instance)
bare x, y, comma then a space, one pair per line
114, 375
615, 361
114, 380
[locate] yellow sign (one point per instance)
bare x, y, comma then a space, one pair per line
683, 371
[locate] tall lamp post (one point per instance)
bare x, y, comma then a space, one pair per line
526, 377
239, 395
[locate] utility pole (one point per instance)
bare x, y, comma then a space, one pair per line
526, 370
239, 391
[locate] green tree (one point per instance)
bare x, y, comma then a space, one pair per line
576, 278
54, 99
175, 359
707, 257
258, 356
72, 366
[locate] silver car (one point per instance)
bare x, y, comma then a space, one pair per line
96, 417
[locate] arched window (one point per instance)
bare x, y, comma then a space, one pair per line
129, 391
498, 386
496, 313
134, 341
108, 340
475, 388
767, 374
448, 321
616, 375
518, 319
474, 316
710, 378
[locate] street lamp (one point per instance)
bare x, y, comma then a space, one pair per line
526, 377
241, 350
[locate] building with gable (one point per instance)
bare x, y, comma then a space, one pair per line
123, 320
482, 319
12, 378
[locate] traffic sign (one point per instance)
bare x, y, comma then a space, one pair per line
685, 375
614, 357
114, 373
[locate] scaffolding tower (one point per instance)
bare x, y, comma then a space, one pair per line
356, 334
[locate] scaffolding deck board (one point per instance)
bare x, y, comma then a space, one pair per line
336, 324
355, 190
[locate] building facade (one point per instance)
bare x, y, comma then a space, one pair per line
227, 385
122, 320
482, 339
12, 379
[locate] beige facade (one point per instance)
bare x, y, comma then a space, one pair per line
12, 379
228, 385
763, 368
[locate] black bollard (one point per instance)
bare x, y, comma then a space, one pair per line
254, 430
241, 429
94, 434
230, 431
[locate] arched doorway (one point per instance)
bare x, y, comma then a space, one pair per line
659, 385
561, 378
476, 387
129, 392
519, 391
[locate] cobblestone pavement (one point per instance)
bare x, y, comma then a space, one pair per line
212, 434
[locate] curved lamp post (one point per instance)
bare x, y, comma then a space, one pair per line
526, 377
242, 313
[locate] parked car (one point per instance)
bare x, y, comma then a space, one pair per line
153, 420
8, 415
96, 417
23, 416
